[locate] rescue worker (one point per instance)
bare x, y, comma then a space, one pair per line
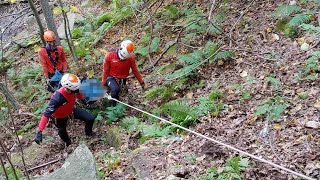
61, 106
116, 67
53, 61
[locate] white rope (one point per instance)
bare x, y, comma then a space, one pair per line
218, 142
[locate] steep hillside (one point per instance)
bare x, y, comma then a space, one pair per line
242, 72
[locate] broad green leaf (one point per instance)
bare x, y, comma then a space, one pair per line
142, 50
154, 47
263, 109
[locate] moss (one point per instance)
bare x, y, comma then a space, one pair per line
284, 27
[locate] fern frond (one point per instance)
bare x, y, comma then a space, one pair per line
183, 72
223, 55
191, 58
299, 19
180, 112
310, 27
283, 11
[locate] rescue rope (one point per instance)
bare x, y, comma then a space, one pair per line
218, 142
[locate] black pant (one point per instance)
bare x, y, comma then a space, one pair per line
61, 123
115, 86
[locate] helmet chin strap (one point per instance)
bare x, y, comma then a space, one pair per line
51, 47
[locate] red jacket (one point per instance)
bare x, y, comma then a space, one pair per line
48, 66
61, 105
114, 66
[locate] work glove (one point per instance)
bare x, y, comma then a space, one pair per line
38, 138
143, 86
48, 81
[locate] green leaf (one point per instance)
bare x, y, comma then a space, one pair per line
154, 47
142, 50
262, 109
283, 11
277, 110
299, 19
57, 10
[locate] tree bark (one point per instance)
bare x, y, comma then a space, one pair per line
4, 90
48, 15
36, 15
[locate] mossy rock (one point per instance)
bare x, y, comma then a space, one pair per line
284, 27
30, 154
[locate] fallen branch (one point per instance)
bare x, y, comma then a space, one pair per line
24, 113
242, 14
161, 55
211, 9
42, 165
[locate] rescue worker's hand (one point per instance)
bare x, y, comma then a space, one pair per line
38, 138
143, 86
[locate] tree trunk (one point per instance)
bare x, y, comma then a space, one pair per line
49, 18
4, 90
36, 15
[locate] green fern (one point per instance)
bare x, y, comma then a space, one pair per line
283, 11
130, 123
164, 92
180, 112
311, 28
222, 55
299, 19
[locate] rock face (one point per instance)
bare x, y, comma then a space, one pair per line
80, 165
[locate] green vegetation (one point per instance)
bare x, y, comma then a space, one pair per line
231, 170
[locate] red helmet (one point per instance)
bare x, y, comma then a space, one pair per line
126, 48
49, 36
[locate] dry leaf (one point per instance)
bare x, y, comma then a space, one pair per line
244, 74
317, 104
220, 62
269, 30
275, 37
189, 95
277, 126
90, 73
301, 40
305, 46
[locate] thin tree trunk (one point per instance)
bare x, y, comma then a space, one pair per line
49, 18
4, 168
5, 153
36, 15
16, 133
68, 33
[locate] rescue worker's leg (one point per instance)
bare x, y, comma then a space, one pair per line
61, 124
115, 88
85, 116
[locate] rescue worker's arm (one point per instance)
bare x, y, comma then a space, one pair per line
135, 70
106, 68
56, 101
64, 61
43, 62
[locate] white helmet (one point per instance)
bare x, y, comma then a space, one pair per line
125, 50
70, 81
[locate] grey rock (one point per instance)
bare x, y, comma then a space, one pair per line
1, 178
72, 18
80, 165
25, 39
313, 124
173, 177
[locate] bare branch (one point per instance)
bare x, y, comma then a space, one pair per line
42, 165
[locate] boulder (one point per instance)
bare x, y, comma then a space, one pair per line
80, 165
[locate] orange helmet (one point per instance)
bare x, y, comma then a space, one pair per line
126, 48
49, 36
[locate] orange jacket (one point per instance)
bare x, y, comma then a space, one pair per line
113, 66
46, 63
